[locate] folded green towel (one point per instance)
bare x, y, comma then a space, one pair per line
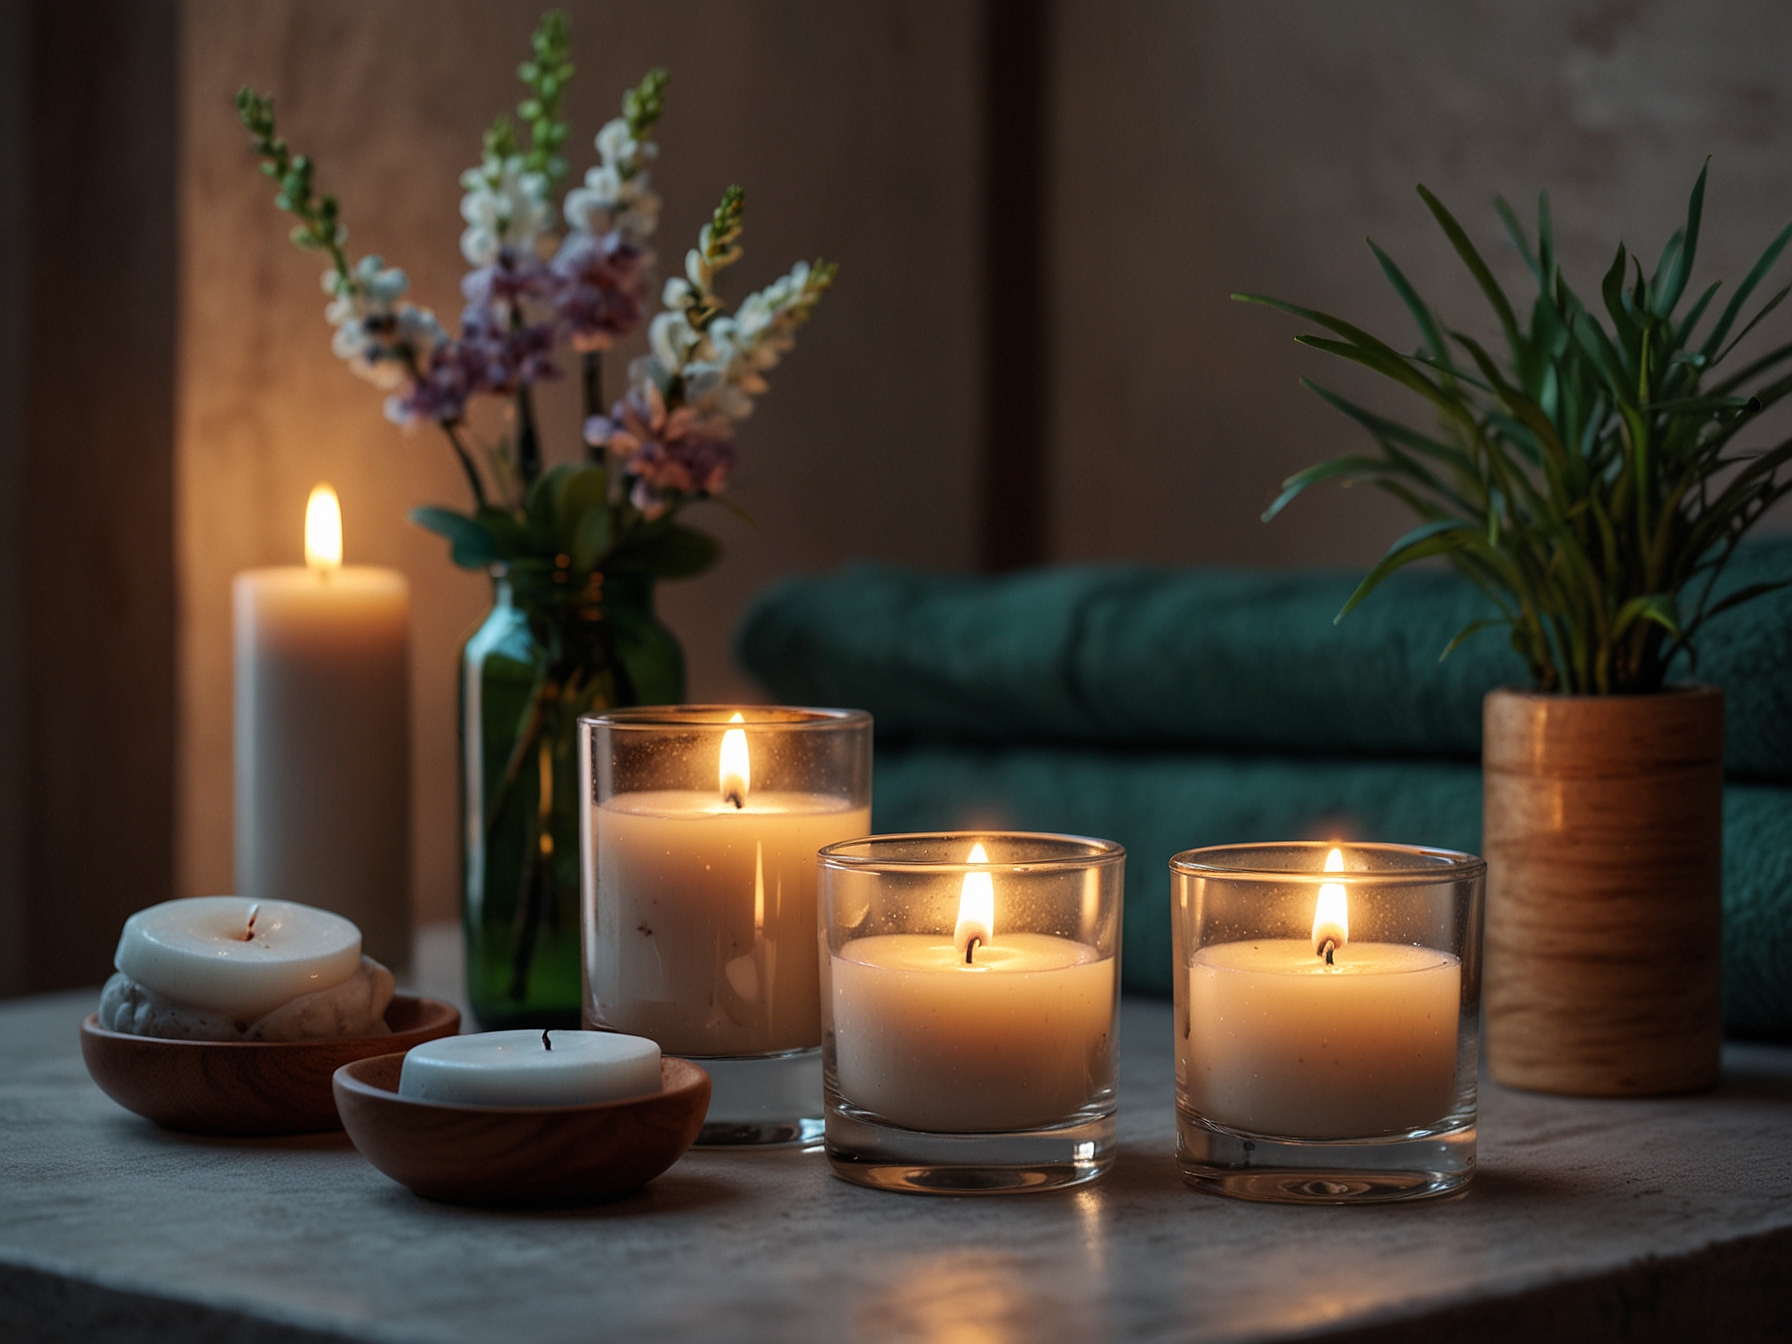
1156, 804
1234, 659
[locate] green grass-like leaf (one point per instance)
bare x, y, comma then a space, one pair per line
1586, 477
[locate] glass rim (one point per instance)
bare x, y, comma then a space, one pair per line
1449, 865
763, 718
1097, 853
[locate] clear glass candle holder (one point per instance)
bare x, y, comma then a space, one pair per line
969, 992
700, 829
1327, 1020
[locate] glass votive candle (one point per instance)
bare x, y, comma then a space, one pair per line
1327, 1020
968, 1000
700, 829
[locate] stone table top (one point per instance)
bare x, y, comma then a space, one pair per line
1587, 1220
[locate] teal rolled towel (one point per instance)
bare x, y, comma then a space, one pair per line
1235, 659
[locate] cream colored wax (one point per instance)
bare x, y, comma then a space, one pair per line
1279, 1043
1016, 1040
323, 796
706, 929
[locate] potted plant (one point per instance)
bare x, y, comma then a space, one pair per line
1593, 484
574, 549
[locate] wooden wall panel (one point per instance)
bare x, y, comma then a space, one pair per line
96, 489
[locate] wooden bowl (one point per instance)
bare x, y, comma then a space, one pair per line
521, 1156
247, 1087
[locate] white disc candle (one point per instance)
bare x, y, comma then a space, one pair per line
237, 957
531, 1068
323, 799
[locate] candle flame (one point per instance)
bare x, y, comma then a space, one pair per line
736, 770
976, 908
1331, 913
323, 530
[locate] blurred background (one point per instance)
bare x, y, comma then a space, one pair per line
1039, 209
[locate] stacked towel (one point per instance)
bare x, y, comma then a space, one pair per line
1245, 660
1168, 710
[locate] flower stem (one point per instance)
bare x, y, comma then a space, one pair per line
528, 441
591, 382
466, 463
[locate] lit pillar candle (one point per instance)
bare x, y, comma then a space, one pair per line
323, 799
1322, 1038
706, 927
531, 1068
987, 1031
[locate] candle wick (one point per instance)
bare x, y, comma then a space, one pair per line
970, 947
546, 1044
249, 933
1329, 946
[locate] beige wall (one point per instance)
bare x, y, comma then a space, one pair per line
1207, 148
851, 128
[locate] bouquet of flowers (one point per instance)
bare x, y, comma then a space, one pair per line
577, 546
668, 442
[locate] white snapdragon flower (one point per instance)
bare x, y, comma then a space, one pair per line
370, 330
616, 194
505, 206
742, 348
617, 143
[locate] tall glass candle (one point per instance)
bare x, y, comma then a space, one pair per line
700, 838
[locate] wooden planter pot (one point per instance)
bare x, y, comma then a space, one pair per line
1604, 846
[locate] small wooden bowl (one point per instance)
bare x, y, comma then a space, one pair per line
521, 1156
247, 1088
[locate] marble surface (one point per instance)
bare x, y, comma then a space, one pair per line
1630, 1220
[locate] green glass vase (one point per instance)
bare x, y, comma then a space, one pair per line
549, 650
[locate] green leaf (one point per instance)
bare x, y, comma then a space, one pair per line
1656, 607
1355, 468
470, 544
539, 503
1469, 631
1673, 284
1436, 538
1747, 593
580, 490
1733, 309
509, 535
590, 538
1477, 268
671, 551
1427, 324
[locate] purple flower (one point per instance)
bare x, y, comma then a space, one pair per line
440, 395
500, 358
507, 281
600, 287
669, 453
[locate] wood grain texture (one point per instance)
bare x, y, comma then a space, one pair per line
1604, 845
521, 1156
96, 539
246, 1088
